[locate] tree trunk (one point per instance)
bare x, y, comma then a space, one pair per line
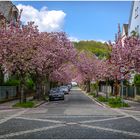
22, 93
88, 86
47, 87
84, 87
106, 90
39, 93
111, 89
116, 88
97, 90
1, 77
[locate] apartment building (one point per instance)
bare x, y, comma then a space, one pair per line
134, 20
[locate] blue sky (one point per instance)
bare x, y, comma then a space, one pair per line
86, 20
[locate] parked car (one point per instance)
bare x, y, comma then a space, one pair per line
69, 86
74, 83
64, 89
56, 94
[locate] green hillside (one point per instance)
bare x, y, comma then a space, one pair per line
98, 48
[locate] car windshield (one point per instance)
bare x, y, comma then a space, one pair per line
60, 89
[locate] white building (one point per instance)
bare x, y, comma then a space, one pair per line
134, 20
124, 33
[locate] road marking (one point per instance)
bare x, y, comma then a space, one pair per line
13, 116
117, 110
31, 131
101, 120
55, 121
71, 123
112, 130
131, 110
126, 114
43, 120
80, 116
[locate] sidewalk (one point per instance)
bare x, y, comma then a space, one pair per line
9, 104
135, 106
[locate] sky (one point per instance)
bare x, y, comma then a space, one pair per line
81, 20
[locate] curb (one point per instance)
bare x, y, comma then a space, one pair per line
10, 108
39, 104
103, 104
95, 100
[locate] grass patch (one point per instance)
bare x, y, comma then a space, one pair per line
116, 103
92, 94
28, 104
102, 99
112, 102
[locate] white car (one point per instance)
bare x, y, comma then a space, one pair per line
74, 83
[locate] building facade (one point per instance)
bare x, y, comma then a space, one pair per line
8, 12
124, 33
134, 20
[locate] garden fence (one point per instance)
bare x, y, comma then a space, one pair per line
128, 91
8, 92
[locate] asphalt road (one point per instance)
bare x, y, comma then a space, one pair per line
77, 117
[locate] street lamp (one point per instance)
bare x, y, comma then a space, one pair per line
122, 71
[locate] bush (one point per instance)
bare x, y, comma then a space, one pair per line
12, 82
94, 86
30, 84
28, 104
126, 83
116, 103
102, 99
137, 79
114, 100
92, 94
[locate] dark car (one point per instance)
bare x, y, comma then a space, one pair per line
64, 89
56, 94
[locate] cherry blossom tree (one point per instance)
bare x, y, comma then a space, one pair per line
124, 58
64, 74
18, 49
86, 67
24, 50
54, 50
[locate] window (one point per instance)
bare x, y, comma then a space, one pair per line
137, 30
136, 12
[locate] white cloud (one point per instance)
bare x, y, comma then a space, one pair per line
73, 39
46, 20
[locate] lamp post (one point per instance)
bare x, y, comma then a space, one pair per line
122, 71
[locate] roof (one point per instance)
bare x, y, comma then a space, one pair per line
125, 29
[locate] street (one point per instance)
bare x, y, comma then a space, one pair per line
77, 117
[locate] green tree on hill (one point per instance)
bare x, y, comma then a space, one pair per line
98, 48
